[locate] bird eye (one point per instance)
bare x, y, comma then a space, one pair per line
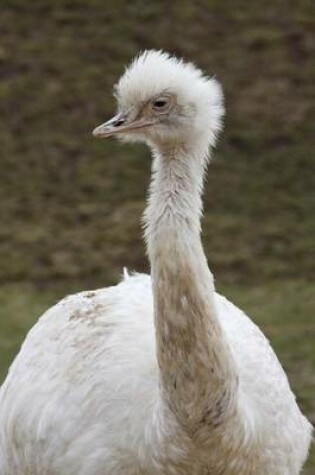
160, 103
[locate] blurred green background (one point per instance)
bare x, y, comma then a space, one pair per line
70, 205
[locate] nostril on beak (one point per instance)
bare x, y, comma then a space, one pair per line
118, 122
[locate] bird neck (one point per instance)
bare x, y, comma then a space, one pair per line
196, 368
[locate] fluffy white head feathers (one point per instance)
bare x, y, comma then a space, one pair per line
163, 99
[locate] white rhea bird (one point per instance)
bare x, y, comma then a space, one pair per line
156, 375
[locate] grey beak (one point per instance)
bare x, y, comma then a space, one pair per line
110, 127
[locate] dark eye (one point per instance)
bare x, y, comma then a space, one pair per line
160, 103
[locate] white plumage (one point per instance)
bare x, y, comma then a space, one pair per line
157, 375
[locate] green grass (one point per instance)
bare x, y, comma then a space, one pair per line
70, 204
284, 310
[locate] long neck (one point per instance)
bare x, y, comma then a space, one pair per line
197, 373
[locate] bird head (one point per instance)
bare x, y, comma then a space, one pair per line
164, 100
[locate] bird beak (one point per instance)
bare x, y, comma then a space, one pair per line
120, 123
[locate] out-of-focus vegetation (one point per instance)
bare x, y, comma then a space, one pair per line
70, 205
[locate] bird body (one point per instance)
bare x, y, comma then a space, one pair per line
158, 375
89, 399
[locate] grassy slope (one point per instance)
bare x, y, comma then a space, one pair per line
70, 204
